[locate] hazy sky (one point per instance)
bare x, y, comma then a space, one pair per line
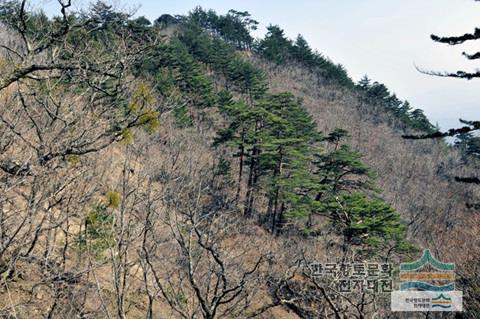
382, 38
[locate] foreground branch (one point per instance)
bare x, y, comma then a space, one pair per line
457, 39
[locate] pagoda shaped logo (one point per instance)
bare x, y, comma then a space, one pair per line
427, 284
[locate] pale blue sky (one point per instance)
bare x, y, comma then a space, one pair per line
381, 38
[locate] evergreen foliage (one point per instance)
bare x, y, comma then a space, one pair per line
378, 94
369, 224
224, 59
277, 147
234, 28
276, 48
277, 144
341, 169
291, 177
468, 143
165, 20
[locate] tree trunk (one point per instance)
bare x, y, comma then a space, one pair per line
240, 169
252, 181
252, 177
274, 200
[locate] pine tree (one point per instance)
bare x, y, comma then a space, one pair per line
378, 92
273, 141
393, 103
275, 46
365, 83
341, 169
140, 28
165, 20
302, 52
240, 134
187, 74
420, 121
236, 27
367, 225
104, 16
468, 143
405, 108
285, 157
248, 79
221, 57
338, 169
379, 95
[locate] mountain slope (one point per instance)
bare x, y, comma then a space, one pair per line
183, 170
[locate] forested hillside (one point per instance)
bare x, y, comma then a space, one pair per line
180, 168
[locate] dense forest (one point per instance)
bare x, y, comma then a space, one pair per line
181, 168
